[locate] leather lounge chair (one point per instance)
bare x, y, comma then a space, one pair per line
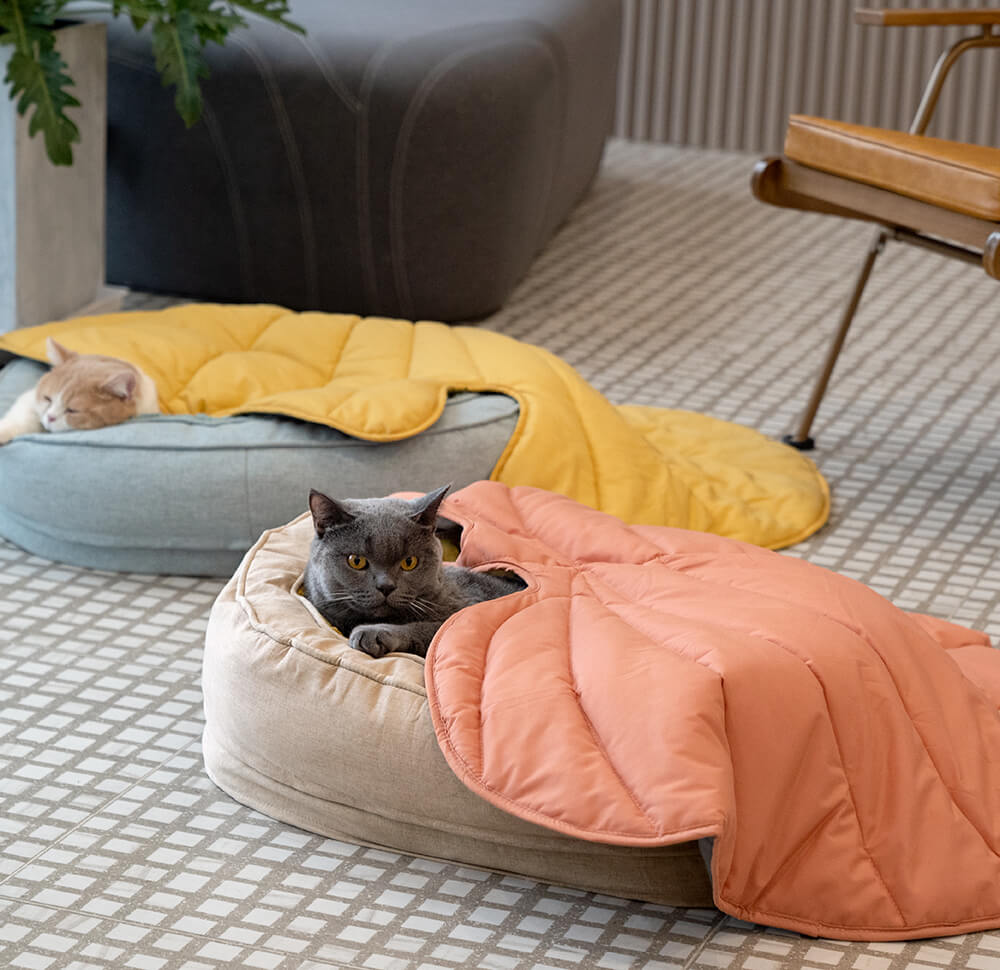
930, 192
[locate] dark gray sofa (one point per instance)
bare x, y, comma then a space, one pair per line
406, 158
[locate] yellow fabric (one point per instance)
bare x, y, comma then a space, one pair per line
384, 380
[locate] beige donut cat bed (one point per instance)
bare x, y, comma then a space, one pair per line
308, 731
611, 701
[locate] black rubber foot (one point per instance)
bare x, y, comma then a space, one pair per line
806, 444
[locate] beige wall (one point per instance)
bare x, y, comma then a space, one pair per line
726, 73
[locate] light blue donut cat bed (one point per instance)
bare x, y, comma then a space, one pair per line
260, 405
189, 494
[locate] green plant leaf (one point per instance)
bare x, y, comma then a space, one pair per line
177, 48
140, 12
276, 10
36, 74
182, 28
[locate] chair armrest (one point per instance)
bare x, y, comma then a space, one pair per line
930, 16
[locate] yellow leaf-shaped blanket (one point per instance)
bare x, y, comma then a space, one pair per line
384, 380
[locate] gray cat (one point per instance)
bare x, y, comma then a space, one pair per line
375, 572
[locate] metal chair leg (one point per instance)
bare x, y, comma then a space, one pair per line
801, 439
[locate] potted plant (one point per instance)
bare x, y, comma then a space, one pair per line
51, 195
36, 73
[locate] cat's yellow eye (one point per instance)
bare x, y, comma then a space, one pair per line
409, 563
356, 562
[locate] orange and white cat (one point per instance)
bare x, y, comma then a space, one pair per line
81, 391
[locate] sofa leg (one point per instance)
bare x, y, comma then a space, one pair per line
801, 439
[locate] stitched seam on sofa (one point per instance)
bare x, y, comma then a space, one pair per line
335, 84
551, 42
401, 152
366, 245
294, 161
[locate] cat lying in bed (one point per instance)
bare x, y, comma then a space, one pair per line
81, 391
375, 572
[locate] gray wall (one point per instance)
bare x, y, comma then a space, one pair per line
727, 73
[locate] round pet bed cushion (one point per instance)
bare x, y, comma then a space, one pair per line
189, 494
308, 731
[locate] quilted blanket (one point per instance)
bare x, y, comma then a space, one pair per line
384, 380
654, 685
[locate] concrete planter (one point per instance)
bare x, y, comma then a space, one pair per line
52, 218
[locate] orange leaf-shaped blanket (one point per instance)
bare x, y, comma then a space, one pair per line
654, 685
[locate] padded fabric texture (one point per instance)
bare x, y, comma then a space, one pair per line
954, 175
405, 157
306, 730
189, 494
843, 755
386, 380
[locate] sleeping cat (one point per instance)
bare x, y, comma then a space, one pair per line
375, 572
80, 391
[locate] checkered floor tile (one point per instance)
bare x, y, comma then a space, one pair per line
669, 286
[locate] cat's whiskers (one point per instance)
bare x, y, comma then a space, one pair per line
333, 599
419, 605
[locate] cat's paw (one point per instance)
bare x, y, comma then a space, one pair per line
378, 639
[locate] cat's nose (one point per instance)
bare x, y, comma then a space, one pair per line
384, 585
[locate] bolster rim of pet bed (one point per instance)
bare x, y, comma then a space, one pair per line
310, 732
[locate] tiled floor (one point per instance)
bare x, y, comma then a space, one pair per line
670, 286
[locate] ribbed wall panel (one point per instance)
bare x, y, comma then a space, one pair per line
727, 73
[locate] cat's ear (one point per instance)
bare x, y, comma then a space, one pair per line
326, 512
122, 384
425, 508
57, 353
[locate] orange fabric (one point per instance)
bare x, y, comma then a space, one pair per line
655, 685
954, 175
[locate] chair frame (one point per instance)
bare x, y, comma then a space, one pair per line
779, 181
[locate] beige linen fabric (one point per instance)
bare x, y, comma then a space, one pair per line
308, 731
